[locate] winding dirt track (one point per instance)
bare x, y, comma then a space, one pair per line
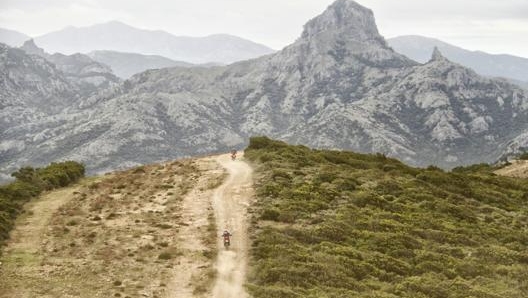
230, 202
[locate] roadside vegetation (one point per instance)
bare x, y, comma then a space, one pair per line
342, 224
523, 156
29, 183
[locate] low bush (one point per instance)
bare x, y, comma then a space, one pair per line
523, 156
165, 255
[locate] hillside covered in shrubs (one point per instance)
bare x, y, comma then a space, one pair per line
29, 183
342, 224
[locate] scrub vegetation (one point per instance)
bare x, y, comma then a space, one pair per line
343, 224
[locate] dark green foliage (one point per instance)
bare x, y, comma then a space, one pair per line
482, 167
523, 156
342, 224
165, 256
29, 183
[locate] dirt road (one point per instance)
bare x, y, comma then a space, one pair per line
27, 236
22, 257
230, 202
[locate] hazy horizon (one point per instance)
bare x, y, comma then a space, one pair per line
490, 26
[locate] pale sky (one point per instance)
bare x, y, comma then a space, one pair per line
494, 26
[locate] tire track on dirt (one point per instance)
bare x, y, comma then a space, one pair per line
230, 202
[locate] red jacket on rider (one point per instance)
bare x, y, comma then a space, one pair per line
226, 236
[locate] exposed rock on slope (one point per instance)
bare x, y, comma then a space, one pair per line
80, 69
40, 92
516, 146
30, 81
338, 86
420, 48
31, 90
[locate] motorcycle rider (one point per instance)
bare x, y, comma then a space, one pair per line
227, 240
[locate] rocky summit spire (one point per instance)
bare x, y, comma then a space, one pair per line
346, 18
31, 48
437, 55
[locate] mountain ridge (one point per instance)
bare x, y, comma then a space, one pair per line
124, 65
118, 36
339, 88
12, 38
419, 48
90, 75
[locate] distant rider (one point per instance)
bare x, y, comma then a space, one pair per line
227, 239
233, 154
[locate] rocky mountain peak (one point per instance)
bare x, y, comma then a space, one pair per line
79, 69
338, 86
31, 48
346, 18
437, 55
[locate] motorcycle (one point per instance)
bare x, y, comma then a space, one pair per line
227, 239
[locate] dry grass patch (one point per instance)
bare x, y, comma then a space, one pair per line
111, 239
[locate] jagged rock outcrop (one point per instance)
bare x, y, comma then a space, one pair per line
338, 86
516, 147
31, 81
419, 48
31, 48
31, 89
90, 75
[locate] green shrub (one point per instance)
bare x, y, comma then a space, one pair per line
270, 214
165, 255
523, 156
139, 170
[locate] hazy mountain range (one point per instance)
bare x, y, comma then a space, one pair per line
12, 38
120, 37
419, 48
124, 65
127, 55
128, 50
117, 36
338, 86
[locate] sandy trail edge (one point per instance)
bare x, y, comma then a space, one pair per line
30, 230
195, 209
230, 202
517, 169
